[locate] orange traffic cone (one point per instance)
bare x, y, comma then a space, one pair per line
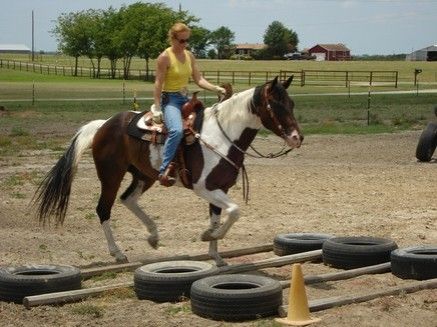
298, 311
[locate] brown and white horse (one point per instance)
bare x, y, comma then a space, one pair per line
229, 127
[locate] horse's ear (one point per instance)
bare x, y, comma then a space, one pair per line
287, 83
274, 82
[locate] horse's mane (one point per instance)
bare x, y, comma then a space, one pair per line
238, 104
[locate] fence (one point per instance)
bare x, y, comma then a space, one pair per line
303, 77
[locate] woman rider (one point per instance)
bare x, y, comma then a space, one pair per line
175, 66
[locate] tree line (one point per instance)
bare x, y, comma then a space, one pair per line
140, 29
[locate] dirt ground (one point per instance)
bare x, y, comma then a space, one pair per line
369, 185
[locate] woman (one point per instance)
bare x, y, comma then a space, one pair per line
175, 66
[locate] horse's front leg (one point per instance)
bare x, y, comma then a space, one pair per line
220, 199
214, 215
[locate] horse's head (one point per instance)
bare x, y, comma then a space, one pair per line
273, 105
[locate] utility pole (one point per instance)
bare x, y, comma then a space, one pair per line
33, 43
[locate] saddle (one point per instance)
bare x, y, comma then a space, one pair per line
144, 128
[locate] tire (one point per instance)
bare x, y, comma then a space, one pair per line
356, 252
236, 297
418, 262
169, 281
285, 244
19, 282
427, 143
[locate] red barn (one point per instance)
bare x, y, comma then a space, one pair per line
331, 52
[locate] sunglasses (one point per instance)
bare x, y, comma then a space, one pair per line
182, 41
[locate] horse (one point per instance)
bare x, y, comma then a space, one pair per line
214, 161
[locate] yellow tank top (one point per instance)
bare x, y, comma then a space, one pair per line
178, 74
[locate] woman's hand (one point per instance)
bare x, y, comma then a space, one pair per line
220, 90
156, 114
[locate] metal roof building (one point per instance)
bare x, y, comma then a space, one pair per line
425, 54
14, 48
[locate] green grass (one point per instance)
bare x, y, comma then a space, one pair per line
84, 309
51, 121
405, 68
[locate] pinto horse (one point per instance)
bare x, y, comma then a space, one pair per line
214, 161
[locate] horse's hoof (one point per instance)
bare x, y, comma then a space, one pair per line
153, 241
121, 259
221, 263
207, 236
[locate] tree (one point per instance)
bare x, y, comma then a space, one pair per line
73, 35
222, 38
91, 23
199, 41
128, 33
280, 40
156, 21
106, 40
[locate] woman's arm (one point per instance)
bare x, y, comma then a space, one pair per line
161, 68
200, 80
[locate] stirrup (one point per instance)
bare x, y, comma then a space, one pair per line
166, 181
169, 177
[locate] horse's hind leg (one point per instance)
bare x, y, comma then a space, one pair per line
214, 215
130, 199
110, 186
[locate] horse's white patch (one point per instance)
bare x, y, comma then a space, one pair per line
84, 138
155, 155
234, 116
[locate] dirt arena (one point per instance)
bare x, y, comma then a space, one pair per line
368, 185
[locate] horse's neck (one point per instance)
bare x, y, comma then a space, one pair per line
235, 119
235, 113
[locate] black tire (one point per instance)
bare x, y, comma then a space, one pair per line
19, 282
285, 244
419, 262
236, 297
355, 252
169, 281
427, 143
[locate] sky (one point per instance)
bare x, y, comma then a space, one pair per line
364, 26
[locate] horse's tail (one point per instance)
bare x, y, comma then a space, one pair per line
53, 193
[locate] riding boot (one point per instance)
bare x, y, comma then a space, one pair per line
169, 177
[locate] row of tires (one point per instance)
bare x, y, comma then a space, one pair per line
220, 297
416, 262
229, 297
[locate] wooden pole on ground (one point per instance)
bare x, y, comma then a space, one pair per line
71, 296
89, 272
327, 303
273, 262
75, 295
342, 275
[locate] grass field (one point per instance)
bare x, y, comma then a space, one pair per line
405, 68
71, 101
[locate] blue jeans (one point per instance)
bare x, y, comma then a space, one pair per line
172, 103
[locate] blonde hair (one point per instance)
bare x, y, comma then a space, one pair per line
177, 28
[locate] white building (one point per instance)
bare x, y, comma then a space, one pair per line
425, 54
14, 48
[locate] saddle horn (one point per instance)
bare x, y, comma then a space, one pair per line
192, 105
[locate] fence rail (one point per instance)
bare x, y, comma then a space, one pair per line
342, 78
